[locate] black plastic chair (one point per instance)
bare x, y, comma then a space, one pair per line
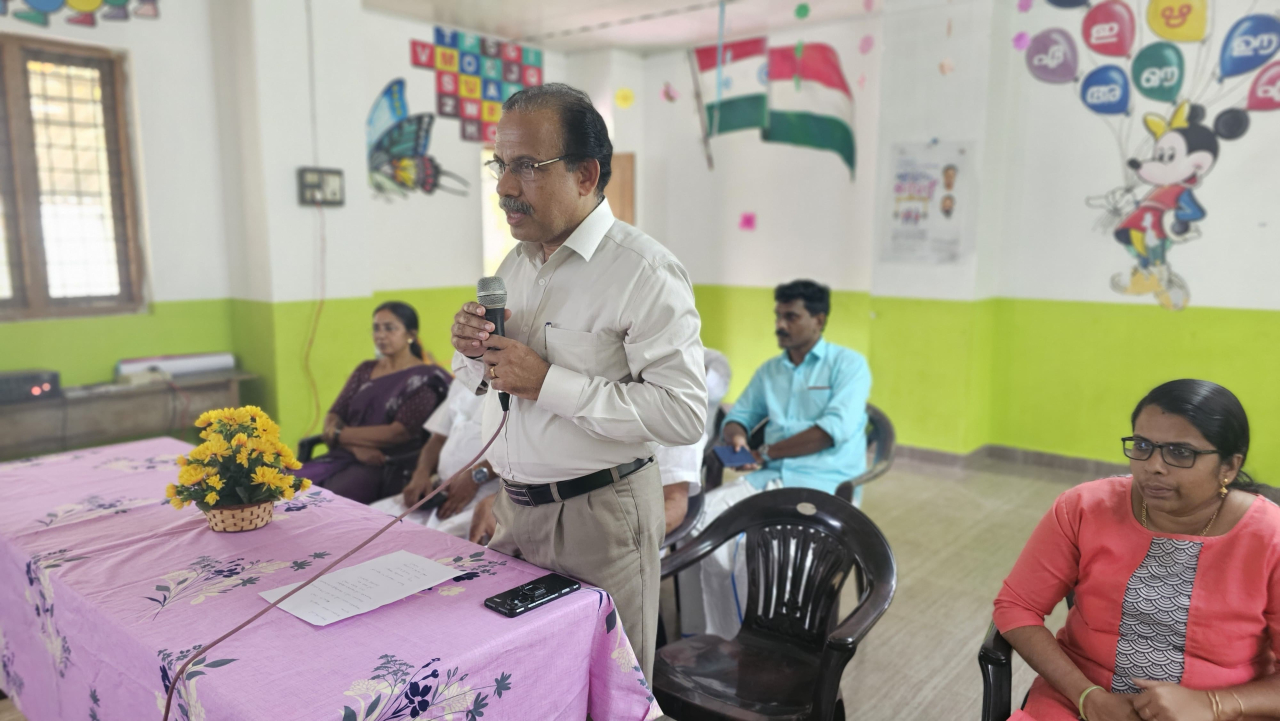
995, 658
882, 442
787, 660
690, 517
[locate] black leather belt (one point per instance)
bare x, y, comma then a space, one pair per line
524, 494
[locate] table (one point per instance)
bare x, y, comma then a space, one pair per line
105, 591
107, 412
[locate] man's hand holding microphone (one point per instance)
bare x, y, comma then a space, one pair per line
510, 366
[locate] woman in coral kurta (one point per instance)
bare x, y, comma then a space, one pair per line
1176, 576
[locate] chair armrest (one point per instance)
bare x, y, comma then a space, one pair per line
844, 491
855, 626
307, 447
995, 649
693, 510
841, 645
995, 659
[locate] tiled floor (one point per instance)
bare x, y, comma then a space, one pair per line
955, 533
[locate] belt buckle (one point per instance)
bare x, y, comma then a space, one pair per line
519, 496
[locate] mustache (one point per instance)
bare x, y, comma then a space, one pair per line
515, 205
781, 334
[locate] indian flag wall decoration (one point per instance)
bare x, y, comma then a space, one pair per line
732, 92
799, 95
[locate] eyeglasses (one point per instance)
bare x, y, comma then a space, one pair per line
523, 169
1175, 454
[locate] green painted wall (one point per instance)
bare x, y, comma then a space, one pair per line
1070, 373
1059, 377
343, 341
85, 350
931, 371
1052, 376
738, 321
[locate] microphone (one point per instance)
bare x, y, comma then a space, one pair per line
491, 293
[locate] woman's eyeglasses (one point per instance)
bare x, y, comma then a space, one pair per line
522, 169
1175, 454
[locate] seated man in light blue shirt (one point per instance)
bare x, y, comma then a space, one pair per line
815, 397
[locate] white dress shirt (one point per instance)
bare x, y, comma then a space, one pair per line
612, 311
458, 419
683, 464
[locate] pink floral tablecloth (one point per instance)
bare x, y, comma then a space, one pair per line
105, 590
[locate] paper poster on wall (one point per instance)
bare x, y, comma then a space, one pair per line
929, 200
474, 76
1173, 106
397, 144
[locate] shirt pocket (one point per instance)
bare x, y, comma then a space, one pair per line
591, 354
814, 400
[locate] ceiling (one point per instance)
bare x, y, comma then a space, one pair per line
642, 25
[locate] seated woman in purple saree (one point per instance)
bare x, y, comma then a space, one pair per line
380, 411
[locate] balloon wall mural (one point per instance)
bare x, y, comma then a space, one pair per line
1176, 91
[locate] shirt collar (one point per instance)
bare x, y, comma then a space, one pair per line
818, 350
585, 239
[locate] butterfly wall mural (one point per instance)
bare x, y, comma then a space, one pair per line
397, 143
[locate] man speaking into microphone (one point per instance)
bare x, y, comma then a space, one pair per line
602, 359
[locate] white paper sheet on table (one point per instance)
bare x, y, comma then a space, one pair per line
361, 588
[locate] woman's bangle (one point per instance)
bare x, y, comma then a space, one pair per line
1237, 698
1083, 696
337, 434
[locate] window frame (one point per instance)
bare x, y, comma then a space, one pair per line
20, 183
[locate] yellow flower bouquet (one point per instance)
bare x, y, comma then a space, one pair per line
240, 470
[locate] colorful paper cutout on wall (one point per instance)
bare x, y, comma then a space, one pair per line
747, 221
474, 76
794, 95
1190, 113
624, 98
397, 144
83, 12
669, 93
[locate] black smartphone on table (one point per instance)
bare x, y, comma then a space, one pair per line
528, 596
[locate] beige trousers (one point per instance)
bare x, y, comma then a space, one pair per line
607, 538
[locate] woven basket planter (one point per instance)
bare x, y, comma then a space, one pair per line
233, 519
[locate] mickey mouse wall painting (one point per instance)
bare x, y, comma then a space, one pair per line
1184, 152
1169, 115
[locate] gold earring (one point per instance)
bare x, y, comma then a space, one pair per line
1223, 491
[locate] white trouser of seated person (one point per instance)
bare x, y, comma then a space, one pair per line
459, 524
717, 585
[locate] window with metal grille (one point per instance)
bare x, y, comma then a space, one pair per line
68, 242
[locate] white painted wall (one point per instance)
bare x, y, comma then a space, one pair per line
812, 219
422, 241
175, 138
920, 103
1060, 153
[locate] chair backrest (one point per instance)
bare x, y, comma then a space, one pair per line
882, 442
800, 547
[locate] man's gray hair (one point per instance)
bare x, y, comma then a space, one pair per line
583, 134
